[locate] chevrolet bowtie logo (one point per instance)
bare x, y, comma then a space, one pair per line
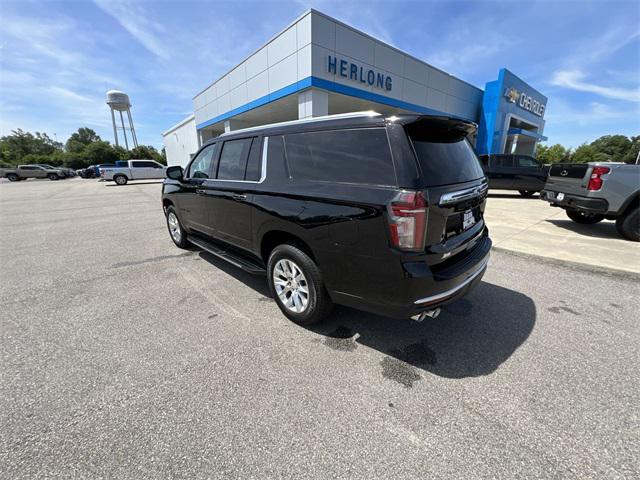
512, 94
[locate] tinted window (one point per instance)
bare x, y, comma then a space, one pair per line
233, 159
445, 155
253, 172
144, 164
344, 156
502, 161
148, 164
527, 162
29, 168
201, 165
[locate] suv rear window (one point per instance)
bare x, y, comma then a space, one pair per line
360, 156
444, 154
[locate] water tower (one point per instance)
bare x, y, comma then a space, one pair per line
119, 101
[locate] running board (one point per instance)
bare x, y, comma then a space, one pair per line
233, 258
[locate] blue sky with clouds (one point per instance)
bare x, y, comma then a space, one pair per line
57, 59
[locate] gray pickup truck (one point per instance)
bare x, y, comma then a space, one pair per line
23, 172
591, 192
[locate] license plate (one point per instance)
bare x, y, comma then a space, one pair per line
560, 196
468, 220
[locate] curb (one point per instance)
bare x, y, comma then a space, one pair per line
584, 267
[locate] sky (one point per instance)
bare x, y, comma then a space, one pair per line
57, 59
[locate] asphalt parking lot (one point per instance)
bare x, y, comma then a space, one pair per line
530, 226
125, 357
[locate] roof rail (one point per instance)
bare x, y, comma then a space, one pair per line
368, 113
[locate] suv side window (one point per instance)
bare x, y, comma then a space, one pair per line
201, 165
504, 161
527, 162
253, 171
143, 164
360, 156
233, 159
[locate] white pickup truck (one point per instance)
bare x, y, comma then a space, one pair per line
136, 170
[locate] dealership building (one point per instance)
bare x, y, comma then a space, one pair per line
320, 66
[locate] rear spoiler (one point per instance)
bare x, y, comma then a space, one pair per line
443, 124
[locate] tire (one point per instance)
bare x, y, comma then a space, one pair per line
584, 218
628, 225
53, 176
527, 193
120, 179
13, 177
176, 231
287, 264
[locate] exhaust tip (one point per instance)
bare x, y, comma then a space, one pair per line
426, 314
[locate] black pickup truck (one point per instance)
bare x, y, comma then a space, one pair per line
515, 172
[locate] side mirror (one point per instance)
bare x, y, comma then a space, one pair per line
175, 173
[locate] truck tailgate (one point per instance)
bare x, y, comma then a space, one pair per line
568, 178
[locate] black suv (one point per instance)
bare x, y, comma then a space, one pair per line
380, 214
515, 172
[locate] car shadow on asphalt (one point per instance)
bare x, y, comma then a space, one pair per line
604, 229
471, 337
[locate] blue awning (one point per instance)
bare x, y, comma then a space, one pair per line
527, 133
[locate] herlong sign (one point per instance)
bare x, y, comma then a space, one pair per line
358, 73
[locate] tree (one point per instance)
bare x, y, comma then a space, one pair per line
147, 151
100, 152
122, 153
75, 160
614, 147
588, 153
16, 146
632, 154
553, 154
79, 140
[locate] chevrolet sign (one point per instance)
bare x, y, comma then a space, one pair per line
525, 101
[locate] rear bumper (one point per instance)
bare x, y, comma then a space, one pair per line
424, 288
576, 202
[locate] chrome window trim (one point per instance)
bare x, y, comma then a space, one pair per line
457, 288
263, 172
465, 194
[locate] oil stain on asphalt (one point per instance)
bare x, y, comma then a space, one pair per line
399, 371
342, 338
400, 368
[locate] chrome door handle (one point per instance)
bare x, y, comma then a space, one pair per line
200, 191
239, 196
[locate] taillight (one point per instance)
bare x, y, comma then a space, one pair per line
408, 220
595, 182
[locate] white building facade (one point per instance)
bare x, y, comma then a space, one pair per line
319, 66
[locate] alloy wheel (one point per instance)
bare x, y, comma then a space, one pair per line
174, 227
291, 285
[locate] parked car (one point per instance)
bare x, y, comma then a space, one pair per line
523, 173
380, 214
89, 172
591, 192
135, 170
23, 172
67, 172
